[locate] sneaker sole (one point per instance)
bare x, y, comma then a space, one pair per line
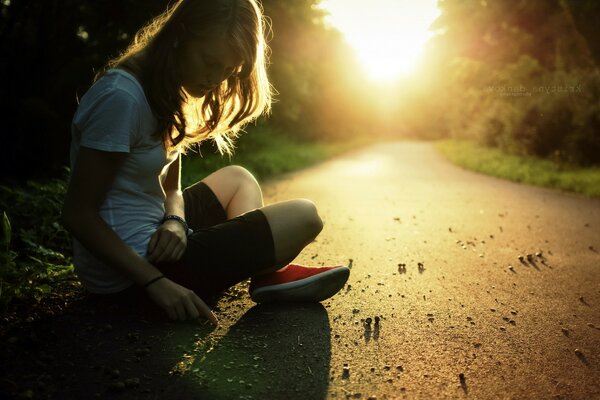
314, 288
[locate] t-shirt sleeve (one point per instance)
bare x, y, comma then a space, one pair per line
109, 121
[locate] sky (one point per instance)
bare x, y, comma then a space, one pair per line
388, 35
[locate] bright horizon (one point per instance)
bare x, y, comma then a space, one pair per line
388, 35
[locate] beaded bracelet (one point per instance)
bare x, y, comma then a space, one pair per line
182, 221
151, 281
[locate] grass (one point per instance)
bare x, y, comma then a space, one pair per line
266, 154
529, 170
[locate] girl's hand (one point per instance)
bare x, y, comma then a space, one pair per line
168, 243
179, 302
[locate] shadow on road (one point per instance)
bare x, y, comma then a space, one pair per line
273, 351
270, 352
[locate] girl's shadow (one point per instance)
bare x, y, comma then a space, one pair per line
272, 352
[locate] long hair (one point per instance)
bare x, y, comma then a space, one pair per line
221, 113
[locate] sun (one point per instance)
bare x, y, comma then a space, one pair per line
388, 35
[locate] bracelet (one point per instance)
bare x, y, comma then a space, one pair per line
151, 281
177, 218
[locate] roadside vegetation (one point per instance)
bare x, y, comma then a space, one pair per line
265, 153
518, 168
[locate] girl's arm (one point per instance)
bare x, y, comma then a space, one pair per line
91, 179
169, 241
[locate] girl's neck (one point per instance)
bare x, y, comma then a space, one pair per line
134, 65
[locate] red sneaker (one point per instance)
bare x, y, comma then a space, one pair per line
299, 283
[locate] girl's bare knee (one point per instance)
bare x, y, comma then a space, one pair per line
311, 221
240, 175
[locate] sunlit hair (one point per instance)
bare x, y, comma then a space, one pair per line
221, 113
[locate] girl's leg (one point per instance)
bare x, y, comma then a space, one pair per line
294, 223
236, 237
237, 190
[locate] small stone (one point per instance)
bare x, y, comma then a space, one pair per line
462, 380
578, 353
346, 372
133, 337
142, 351
565, 331
132, 382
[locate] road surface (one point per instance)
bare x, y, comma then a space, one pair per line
438, 304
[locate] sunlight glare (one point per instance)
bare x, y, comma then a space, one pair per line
388, 35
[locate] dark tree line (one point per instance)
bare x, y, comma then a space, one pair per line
52, 48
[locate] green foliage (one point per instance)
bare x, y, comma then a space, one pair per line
34, 245
266, 153
519, 77
526, 169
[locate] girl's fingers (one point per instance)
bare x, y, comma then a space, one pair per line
171, 313
204, 310
153, 241
180, 310
190, 308
168, 250
180, 254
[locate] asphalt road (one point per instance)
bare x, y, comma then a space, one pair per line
474, 321
438, 304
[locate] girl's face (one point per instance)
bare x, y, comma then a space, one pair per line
205, 63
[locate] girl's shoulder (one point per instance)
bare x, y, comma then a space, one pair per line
119, 82
115, 111
116, 91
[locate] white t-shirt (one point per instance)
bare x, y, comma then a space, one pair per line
115, 116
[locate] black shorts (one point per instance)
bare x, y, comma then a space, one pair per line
220, 252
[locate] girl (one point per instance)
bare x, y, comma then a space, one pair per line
195, 72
